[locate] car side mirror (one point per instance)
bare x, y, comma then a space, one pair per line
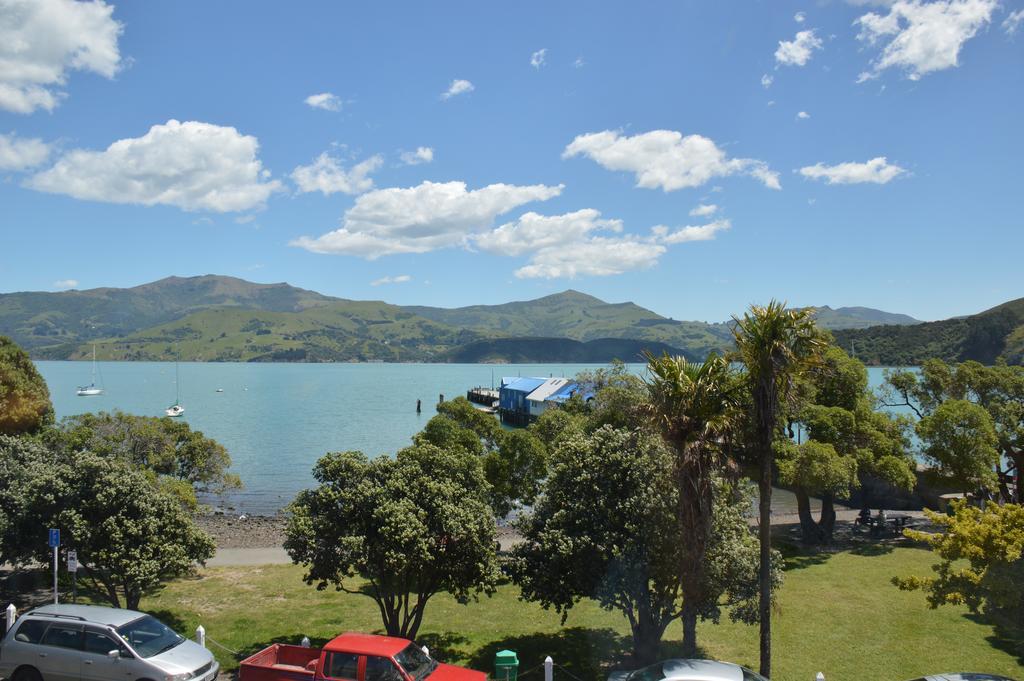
114, 654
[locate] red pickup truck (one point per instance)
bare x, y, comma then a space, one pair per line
351, 657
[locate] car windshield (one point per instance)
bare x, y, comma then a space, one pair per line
415, 662
655, 672
749, 675
149, 636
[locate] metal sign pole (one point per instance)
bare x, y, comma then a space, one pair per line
54, 543
55, 575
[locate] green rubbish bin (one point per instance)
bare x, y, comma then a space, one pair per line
506, 665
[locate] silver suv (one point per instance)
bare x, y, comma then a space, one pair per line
91, 643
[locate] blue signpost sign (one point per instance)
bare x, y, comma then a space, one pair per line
54, 543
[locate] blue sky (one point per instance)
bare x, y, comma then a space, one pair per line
461, 153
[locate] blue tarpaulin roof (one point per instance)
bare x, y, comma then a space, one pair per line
523, 385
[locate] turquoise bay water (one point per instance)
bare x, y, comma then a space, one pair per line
276, 420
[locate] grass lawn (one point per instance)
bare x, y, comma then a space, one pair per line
837, 614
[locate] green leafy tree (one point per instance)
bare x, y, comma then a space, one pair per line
695, 407
776, 345
849, 440
514, 461
23, 461
24, 398
960, 439
607, 527
130, 537
998, 390
411, 527
981, 554
169, 449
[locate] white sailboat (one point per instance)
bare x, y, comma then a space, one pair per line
176, 409
91, 389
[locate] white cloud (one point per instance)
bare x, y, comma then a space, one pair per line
244, 219
584, 244
766, 81
579, 63
598, 257
42, 40
423, 218
537, 58
703, 210
325, 101
798, 51
1013, 21
666, 159
400, 279
20, 153
327, 176
877, 171
421, 155
533, 232
707, 232
803, 115
457, 88
65, 284
922, 37
191, 165
800, 17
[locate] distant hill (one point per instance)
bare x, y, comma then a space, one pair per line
858, 317
581, 317
218, 318
47, 320
556, 350
994, 334
334, 332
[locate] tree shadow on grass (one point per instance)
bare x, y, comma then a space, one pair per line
1005, 637
444, 647
581, 653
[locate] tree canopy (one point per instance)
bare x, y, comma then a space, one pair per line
971, 421
24, 398
981, 554
410, 526
848, 440
608, 527
130, 536
169, 449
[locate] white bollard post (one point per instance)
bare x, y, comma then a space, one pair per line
820, 676
549, 671
12, 614
305, 642
201, 635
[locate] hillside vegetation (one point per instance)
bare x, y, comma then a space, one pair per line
217, 318
581, 317
986, 337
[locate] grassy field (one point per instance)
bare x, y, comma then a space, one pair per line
837, 614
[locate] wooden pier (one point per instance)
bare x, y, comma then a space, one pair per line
485, 396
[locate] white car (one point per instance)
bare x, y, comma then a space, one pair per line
689, 670
965, 676
92, 643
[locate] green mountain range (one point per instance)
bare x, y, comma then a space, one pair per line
986, 337
216, 318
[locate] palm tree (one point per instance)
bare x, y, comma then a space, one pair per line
776, 344
695, 407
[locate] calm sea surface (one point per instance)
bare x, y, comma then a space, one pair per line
276, 420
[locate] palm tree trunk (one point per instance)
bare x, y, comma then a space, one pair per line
765, 569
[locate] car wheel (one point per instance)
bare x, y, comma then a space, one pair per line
26, 674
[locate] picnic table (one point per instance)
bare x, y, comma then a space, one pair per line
896, 521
